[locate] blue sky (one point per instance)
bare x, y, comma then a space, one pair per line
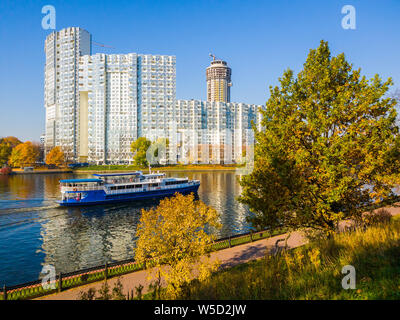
258, 39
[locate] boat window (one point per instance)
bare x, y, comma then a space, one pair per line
168, 183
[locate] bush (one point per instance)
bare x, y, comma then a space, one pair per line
5, 171
89, 295
104, 292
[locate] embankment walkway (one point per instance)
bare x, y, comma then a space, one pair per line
228, 257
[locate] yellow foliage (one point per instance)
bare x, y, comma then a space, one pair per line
314, 255
172, 237
24, 154
56, 157
299, 256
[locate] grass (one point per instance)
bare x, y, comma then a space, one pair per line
314, 271
189, 167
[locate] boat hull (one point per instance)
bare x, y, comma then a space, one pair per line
100, 197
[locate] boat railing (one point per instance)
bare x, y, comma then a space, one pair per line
81, 188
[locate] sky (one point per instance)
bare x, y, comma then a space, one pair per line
258, 39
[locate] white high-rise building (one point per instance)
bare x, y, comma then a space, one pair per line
108, 93
61, 93
97, 105
123, 97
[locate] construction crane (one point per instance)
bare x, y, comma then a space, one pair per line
102, 45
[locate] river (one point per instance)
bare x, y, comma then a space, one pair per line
35, 231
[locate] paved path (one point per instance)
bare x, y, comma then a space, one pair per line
228, 258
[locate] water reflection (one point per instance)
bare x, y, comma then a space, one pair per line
34, 231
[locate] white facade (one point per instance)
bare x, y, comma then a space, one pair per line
156, 94
127, 95
61, 95
212, 132
110, 83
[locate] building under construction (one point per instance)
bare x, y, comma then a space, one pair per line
218, 81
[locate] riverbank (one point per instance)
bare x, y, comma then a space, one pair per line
228, 258
178, 167
318, 266
41, 171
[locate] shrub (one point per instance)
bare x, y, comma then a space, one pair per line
89, 295
5, 171
117, 292
104, 292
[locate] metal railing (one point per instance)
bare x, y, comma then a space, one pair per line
83, 188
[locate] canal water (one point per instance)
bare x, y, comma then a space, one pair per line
35, 232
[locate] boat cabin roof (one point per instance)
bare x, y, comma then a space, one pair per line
117, 174
175, 179
151, 175
80, 180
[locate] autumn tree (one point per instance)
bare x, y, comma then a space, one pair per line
139, 149
56, 157
11, 141
5, 152
24, 154
396, 96
329, 147
175, 238
6, 146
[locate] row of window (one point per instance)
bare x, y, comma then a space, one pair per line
168, 183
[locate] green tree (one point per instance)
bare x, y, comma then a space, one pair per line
139, 149
174, 235
329, 146
55, 156
24, 154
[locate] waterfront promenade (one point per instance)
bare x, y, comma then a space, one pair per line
41, 171
228, 257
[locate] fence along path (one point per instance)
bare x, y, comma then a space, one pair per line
228, 257
89, 275
231, 251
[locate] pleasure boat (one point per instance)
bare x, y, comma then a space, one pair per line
122, 187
